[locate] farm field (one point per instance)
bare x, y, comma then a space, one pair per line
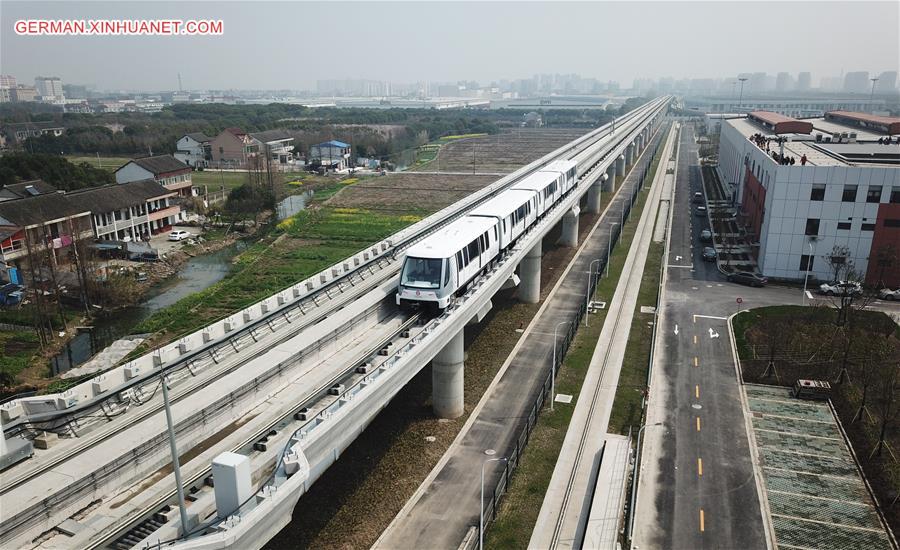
500, 153
107, 163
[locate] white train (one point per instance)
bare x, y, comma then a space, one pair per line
440, 267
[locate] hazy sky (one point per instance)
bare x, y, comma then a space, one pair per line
291, 45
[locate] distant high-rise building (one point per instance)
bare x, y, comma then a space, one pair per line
49, 88
758, 84
887, 82
831, 83
804, 82
23, 93
75, 91
7, 81
857, 82
784, 82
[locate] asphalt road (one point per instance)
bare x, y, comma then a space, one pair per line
697, 487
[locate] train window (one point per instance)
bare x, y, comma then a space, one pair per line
465, 253
496, 235
473, 250
446, 272
459, 260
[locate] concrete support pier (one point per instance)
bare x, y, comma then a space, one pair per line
447, 370
610, 183
620, 166
629, 154
569, 235
640, 143
593, 194
530, 276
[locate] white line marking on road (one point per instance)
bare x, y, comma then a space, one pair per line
682, 266
809, 295
712, 333
708, 317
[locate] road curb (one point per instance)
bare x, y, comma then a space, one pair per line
761, 491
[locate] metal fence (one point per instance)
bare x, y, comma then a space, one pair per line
492, 500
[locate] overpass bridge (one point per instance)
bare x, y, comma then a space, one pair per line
287, 383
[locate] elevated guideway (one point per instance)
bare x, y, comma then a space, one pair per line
328, 353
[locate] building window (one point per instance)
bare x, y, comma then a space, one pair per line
844, 226
818, 192
868, 227
849, 193
895, 195
892, 223
873, 194
806, 262
812, 226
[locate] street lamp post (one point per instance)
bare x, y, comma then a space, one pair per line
174, 448
587, 294
481, 503
609, 247
553, 366
806, 278
741, 99
872, 95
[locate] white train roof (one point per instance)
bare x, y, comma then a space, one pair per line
446, 242
504, 204
559, 166
537, 181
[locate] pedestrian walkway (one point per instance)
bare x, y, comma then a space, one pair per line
446, 505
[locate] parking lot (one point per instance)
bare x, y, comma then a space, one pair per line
816, 497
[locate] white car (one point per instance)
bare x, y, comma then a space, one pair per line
888, 294
841, 288
179, 235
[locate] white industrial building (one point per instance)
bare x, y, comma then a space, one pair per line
842, 189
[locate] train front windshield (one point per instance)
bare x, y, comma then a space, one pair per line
421, 272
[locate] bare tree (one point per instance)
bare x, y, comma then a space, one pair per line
887, 405
876, 348
839, 263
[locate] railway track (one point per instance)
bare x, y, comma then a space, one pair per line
279, 425
345, 291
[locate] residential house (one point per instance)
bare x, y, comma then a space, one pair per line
277, 144
333, 155
128, 211
166, 170
25, 189
194, 150
15, 134
232, 148
44, 226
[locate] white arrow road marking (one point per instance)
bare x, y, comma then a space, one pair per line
809, 295
712, 333
677, 258
676, 330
